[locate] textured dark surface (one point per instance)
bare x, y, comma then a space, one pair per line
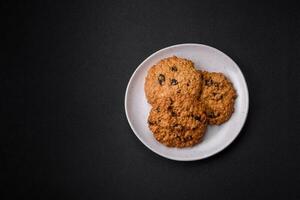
64, 70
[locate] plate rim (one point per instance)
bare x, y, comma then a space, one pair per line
174, 157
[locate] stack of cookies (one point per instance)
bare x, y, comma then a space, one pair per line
185, 100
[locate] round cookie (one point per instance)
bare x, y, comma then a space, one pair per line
178, 122
172, 76
218, 96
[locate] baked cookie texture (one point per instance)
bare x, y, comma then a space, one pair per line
218, 96
172, 76
178, 121
185, 100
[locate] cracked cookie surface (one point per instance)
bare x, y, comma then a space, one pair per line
172, 76
179, 121
218, 96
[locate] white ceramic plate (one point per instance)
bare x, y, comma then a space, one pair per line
216, 137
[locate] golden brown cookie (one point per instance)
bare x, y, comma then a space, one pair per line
178, 122
218, 95
172, 76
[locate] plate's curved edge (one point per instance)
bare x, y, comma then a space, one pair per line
195, 158
246, 98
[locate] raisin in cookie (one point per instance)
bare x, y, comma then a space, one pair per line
172, 76
179, 121
218, 96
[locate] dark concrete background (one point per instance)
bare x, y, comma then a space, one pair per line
65, 67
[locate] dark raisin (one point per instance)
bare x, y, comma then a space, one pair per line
173, 114
219, 97
198, 118
174, 82
188, 84
201, 76
161, 79
208, 82
170, 108
174, 68
171, 101
150, 123
157, 109
216, 84
178, 91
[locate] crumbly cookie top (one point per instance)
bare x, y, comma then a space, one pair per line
172, 76
178, 122
218, 96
